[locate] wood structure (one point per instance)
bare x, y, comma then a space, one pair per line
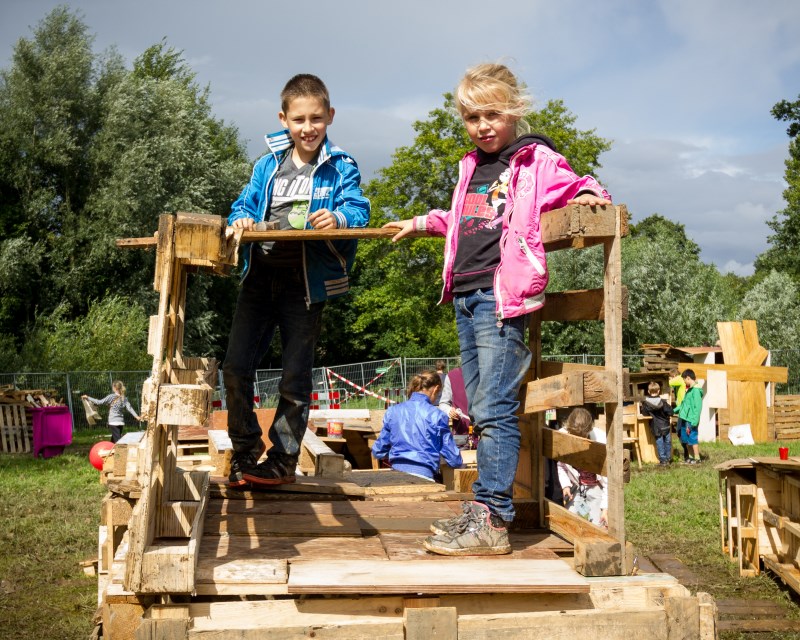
338, 553
760, 516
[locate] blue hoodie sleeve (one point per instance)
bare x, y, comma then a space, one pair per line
352, 209
384, 442
250, 203
450, 452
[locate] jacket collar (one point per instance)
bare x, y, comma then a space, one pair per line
279, 141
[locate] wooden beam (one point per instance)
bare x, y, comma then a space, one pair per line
739, 372
572, 527
581, 453
578, 226
552, 368
582, 304
570, 389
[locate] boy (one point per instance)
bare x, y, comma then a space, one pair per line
660, 412
302, 182
689, 415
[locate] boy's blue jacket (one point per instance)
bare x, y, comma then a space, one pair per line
414, 435
336, 186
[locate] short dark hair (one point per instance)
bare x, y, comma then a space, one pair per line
304, 85
688, 373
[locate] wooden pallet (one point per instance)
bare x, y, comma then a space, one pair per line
14, 430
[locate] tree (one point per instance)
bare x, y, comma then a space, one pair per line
394, 310
673, 297
785, 241
92, 152
774, 304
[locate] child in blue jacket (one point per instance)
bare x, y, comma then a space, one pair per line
416, 432
302, 182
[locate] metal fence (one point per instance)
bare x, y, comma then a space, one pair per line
364, 385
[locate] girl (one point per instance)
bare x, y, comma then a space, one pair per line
415, 433
585, 493
117, 402
495, 273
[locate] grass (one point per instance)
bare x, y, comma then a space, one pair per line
50, 511
676, 511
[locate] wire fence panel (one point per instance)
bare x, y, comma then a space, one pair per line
363, 385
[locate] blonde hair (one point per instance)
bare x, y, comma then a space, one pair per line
120, 389
493, 87
423, 381
654, 388
579, 422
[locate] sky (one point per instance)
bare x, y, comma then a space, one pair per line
682, 88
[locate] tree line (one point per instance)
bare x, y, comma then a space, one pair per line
92, 150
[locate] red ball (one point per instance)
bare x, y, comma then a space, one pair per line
98, 453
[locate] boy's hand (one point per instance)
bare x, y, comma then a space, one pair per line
322, 219
589, 200
244, 223
406, 228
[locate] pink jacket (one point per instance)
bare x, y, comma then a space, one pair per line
541, 180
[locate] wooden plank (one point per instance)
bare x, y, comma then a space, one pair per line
572, 527
758, 626
598, 558
464, 575
581, 453
435, 623
295, 525
668, 563
574, 306
527, 545
739, 372
579, 226
573, 388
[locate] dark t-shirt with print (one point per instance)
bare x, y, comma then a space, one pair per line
481, 223
291, 195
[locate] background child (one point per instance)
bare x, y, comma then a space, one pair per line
678, 388
660, 412
453, 401
495, 273
585, 493
689, 416
415, 433
303, 181
117, 402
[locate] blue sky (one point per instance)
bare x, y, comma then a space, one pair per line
683, 88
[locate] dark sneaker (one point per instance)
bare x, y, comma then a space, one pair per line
479, 533
446, 526
272, 471
241, 462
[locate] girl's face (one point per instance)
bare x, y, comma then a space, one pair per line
490, 131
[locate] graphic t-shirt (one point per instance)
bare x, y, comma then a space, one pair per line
481, 223
291, 195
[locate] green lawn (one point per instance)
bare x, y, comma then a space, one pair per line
50, 511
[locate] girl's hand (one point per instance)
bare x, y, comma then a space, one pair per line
589, 200
322, 219
604, 518
406, 228
567, 493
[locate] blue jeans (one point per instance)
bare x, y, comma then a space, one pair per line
664, 447
494, 361
271, 298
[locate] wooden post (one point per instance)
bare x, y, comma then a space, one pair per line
612, 285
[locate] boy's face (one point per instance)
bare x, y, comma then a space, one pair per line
688, 382
307, 120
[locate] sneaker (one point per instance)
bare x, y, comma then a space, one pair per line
692, 461
446, 526
272, 471
242, 461
478, 533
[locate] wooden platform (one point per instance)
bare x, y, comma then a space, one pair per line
350, 565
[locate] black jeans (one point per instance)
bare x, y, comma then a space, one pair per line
271, 298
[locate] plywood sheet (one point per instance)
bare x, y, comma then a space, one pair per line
535, 546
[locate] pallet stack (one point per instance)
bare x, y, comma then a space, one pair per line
16, 425
661, 357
